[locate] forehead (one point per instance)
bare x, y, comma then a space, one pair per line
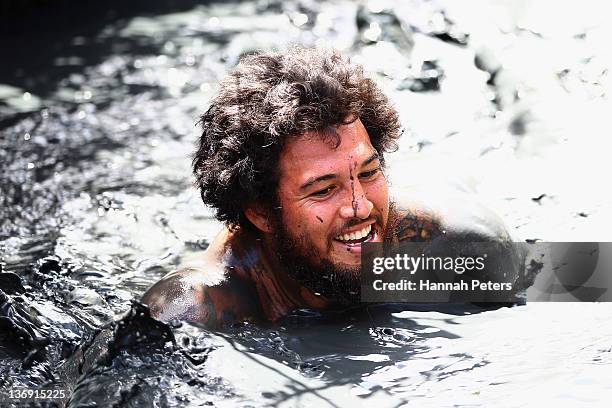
313, 154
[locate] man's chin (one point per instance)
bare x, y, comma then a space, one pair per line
335, 275
346, 267
337, 282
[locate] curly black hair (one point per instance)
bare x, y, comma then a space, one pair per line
268, 98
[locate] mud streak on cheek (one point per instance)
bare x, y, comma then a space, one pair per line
354, 201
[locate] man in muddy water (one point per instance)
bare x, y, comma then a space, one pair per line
291, 157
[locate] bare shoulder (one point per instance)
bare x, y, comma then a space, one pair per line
455, 216
180, 295
191, 295
462, 219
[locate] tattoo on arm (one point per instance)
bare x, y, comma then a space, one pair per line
418, 227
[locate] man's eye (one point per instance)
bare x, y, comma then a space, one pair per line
368, 174
322, 193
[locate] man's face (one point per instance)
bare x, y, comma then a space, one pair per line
333, 198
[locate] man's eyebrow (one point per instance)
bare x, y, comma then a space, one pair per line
370, 159
325, 177
314, 180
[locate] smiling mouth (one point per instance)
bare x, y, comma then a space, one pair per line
357, 238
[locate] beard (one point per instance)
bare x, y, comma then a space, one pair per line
339, 283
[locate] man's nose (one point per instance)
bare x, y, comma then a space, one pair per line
357, 204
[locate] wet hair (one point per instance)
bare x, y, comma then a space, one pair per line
268, 98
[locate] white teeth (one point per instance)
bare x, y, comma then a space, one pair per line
355, 235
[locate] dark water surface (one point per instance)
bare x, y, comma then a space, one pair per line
96, 203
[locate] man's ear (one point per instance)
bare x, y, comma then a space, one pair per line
259, 217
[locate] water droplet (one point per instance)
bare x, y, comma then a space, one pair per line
373, 32
26, 136
214, 22
300, 19
169, 46
30, 166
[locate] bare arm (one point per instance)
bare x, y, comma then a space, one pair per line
455, 216
187, 295
181, 296
462, 220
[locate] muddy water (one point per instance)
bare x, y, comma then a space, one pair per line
96, 204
